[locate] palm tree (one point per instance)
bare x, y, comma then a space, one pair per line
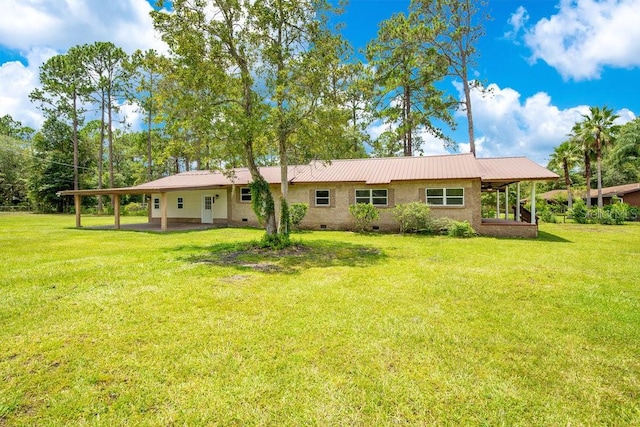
584, 143
565, 156
598, 126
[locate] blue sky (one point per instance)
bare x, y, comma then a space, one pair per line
546, 61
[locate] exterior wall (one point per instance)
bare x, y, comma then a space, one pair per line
192, 205
632, 199
336, 216
524, 230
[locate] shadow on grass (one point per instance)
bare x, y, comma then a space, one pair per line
299, 256
543, 236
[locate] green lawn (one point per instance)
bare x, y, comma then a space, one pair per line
129, 328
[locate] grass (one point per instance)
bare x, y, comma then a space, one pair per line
129, 328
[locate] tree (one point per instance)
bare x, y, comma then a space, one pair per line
406, 72
599, 129
255, 71
565, 157
455, 33
64, 90
624, 159
146, 71
14, 128
583, 140
13, 171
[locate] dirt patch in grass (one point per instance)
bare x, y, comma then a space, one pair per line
249, 256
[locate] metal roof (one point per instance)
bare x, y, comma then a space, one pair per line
369, 171
513, 169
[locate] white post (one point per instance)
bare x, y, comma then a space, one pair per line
498, 204
518, 202
506, 202
533, 202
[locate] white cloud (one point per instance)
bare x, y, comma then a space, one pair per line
40, 29
585, 36
506, 125
517, 21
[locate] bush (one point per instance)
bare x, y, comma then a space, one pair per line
297, 212
461, 229
618, 213
547, 215
363, 214
579, 212
134, 209
274, 241
413, 217
633, 213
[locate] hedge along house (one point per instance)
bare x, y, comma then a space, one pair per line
451, 185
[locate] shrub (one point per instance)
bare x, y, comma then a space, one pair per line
547, 215
579, 212
439, 226
633, 213
134, 209
285, 218
618, 213
297, 212
274, 241
461, 229
412, 217
363, 214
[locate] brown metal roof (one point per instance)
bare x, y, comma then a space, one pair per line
385, 170
369, 171
618, 190
513, 169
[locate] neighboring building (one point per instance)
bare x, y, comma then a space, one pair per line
451, 185
628, 193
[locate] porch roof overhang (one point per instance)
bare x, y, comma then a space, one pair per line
500, 172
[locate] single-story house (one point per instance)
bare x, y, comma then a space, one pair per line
628, 193
450, 184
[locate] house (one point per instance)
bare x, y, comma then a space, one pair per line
451, 184
628, 193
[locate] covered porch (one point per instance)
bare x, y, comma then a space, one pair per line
504, 177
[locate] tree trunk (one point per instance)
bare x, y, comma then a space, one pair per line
408, 149
467, 103
149, 153
101, 153
599, 167
567, 182
587, 175
75, 141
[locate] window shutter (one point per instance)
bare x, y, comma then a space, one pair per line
332, 198
422, 195
391, 197
312, 198
352, 196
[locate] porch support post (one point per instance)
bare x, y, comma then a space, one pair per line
149, 206
163, 211
77, 199
533, 202
497, 203
506, 202
116, 210
518, 202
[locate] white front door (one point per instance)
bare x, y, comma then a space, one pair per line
207, 208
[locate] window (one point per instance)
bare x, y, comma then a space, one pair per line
156, 203
245, 194
323, 198
445, 196
207, 202
377, 197
180, 203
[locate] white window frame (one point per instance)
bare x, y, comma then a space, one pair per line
370, 198
245, 194
323, 198
446, 198
180, 202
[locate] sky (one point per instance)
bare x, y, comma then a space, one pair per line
545, 61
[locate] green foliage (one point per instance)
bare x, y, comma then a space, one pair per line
261, 199
461, 229
547, 215
297, 212
363, 214
412, 217
134, 209
579, 212
274, 241
285, 217
615, 213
